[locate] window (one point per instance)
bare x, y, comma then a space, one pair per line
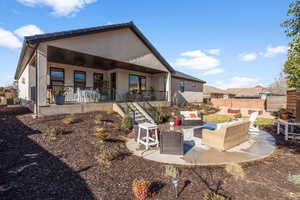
57, 76
137, 82
181, 86
165, 84
194, 85
98, 81
79, 80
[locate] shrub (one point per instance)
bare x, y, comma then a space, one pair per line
69, 119
54, 131
294, 178
213, 196
235, 170
140, 188
101, 133
110, 112
171, 171
106, 157
127, 122
158, 115
237, 115
98, 118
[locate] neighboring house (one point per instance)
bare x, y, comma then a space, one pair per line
106, 64
213, 92
256, 92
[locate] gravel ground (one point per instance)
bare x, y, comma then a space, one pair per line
36, 166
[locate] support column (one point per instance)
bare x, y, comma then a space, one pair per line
169, 87
41, 77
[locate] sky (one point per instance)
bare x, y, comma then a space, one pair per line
227, 43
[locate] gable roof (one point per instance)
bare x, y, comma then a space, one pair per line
181, 75
207, 89
33, 41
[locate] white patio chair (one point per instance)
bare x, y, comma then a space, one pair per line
252, 119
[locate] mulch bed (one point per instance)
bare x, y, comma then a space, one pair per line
34, 166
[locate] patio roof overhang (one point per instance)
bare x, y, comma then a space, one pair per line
65, 56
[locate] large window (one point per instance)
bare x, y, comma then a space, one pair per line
98, 81
57, 76
137, 82
79, 80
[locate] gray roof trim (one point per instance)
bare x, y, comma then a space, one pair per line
181, 75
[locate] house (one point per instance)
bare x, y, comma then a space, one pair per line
97, 67
213, 92
256, 92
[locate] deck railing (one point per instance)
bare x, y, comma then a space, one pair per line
89, 95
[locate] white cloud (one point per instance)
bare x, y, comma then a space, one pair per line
213, 51
60, 7
9, 40
213, 71
273, 51
237, 82
28, 30
197, 60
249, 57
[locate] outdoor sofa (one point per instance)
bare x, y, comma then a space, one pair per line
226, 135
190, 118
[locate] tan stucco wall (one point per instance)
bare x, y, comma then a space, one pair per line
122, 45
190, 95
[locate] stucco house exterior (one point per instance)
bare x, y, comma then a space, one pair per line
96, 67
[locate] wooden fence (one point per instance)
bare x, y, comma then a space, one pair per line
275, 103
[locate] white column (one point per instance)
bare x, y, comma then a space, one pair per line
42, 75
169, 87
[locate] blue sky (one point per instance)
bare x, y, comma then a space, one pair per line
228, 43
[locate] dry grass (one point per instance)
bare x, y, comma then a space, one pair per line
110, 112
140, 188
101, 133
54, 132
213, 196
235, 170
171, 171
106, 157
69, 119
98, 118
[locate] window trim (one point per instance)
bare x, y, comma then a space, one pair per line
58, 69
182, 87
82, 72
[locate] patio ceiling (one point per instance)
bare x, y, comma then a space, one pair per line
69, 57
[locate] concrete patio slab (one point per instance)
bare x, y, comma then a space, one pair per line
260, 145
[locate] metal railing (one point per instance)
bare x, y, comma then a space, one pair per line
89, 95
146, 95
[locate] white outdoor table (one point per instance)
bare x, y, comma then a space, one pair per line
148, 141
287, 124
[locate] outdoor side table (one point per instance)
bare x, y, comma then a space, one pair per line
149, 139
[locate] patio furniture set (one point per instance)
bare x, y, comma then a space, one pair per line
193, 132
289, 128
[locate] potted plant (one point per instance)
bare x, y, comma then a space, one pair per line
60, 97
237, 115
284, 114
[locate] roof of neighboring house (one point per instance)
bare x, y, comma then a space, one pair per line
213, 90
32, 41
181, 75
254, 91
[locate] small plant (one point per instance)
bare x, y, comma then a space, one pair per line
106, 157
171, 171
101, 133
235, 170
54, 132
213, 196
294, 178
237, 115
158, 115
69, 119
127, 122
98, 118
140, 188
110, 112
